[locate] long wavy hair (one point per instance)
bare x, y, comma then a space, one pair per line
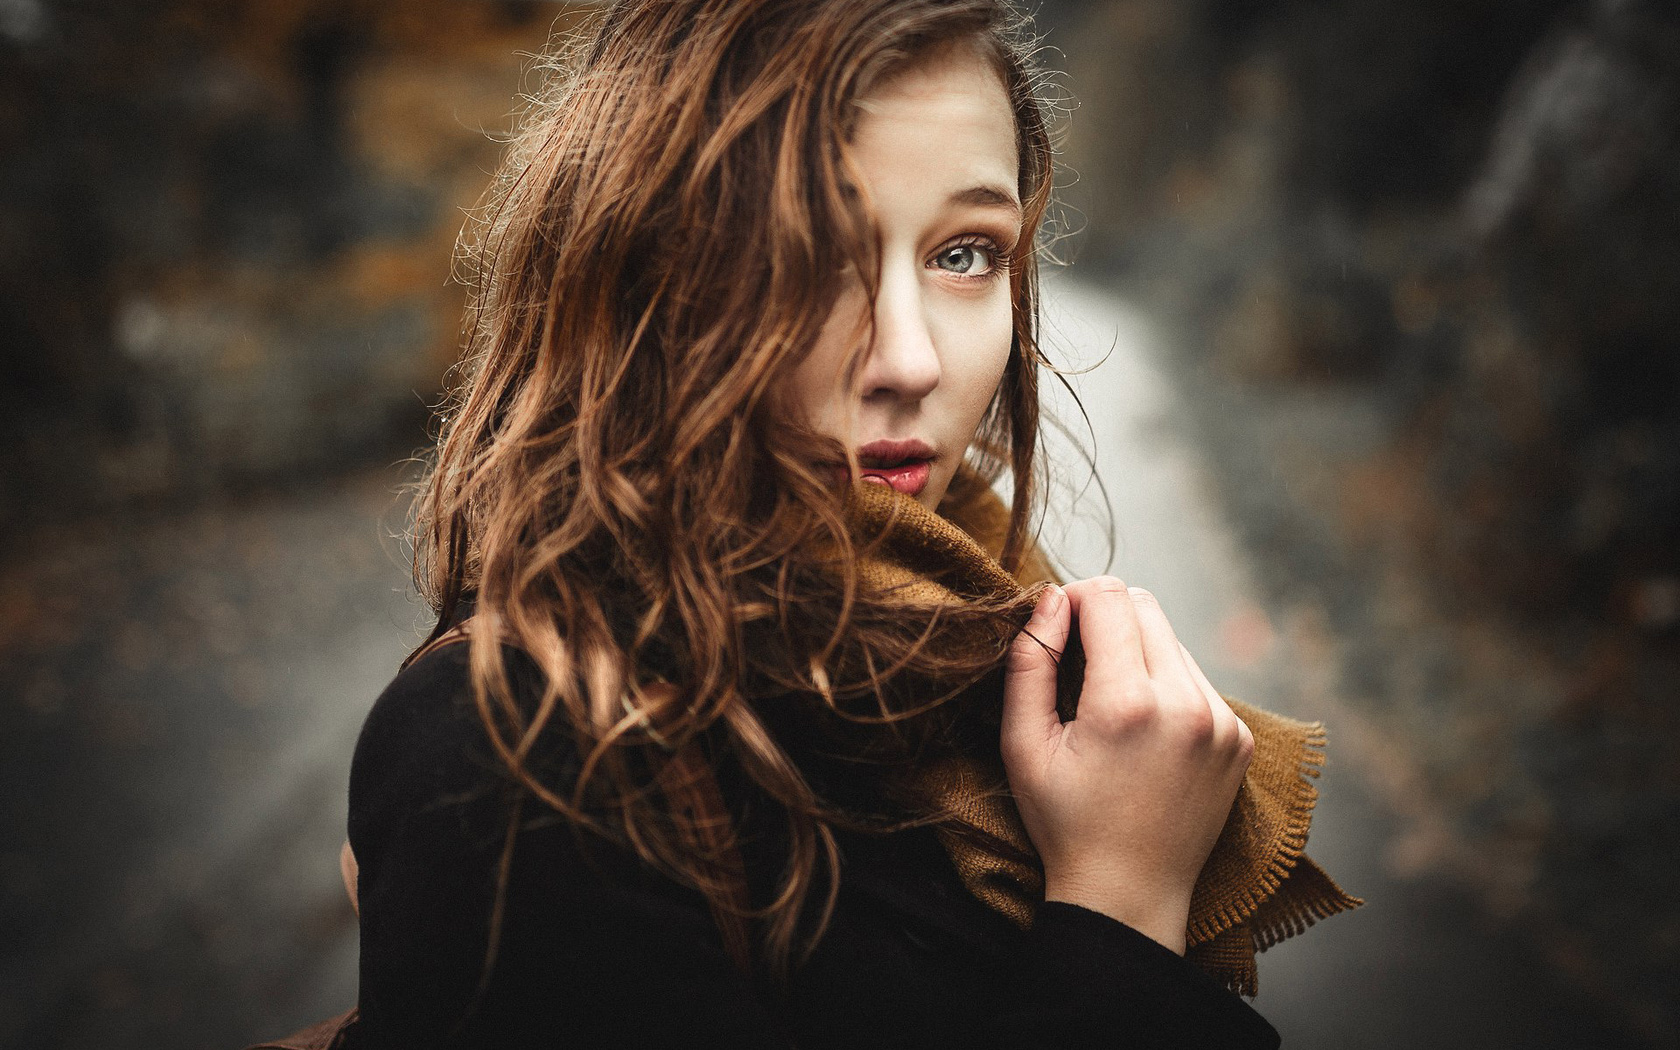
618, 491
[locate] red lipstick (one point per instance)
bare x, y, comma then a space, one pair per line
904, 465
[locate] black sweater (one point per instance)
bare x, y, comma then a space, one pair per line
597, 950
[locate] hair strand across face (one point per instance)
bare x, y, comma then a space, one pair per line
618, 493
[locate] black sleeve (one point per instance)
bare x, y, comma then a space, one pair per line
1086, 980
597, 950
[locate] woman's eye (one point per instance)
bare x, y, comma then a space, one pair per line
968, 260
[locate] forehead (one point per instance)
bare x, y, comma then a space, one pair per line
951, 98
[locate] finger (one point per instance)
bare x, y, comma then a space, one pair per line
1216, 700
1029, 698
1162, 653
1108, 627
1227, 725
1197, 674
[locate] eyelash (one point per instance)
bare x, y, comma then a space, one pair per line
1000, 258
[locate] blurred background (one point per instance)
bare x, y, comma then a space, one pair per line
1379, 302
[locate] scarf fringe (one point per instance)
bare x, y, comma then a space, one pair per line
1289, 848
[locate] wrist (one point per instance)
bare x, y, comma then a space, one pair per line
1160, 915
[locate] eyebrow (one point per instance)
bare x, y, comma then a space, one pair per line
987, 197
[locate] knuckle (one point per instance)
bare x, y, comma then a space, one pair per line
1199, 726
1029, 652
1137, 702
1140, 692
1025, 652
1105, 585
1125, 691
1143, 597
1127, 709
1123, 721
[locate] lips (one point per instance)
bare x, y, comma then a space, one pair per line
909, 478
903, 465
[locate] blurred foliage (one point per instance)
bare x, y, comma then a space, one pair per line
226, 233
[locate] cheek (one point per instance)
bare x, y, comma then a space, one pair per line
803, 396
817, 386
983, 354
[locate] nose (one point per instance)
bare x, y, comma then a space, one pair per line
903, 363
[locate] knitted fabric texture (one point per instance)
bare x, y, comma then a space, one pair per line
1257, 887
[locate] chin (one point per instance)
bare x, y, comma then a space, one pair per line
933, 493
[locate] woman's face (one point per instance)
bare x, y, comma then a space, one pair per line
936, 149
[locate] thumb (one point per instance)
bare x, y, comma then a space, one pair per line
1029, 691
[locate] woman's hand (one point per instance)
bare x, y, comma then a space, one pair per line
1124, 802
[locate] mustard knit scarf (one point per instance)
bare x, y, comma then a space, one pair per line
1257, 887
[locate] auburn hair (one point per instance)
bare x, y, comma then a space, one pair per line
617, 491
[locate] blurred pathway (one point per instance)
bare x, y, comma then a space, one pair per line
1419, 965
184, 691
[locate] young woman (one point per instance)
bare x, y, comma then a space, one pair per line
718, 754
